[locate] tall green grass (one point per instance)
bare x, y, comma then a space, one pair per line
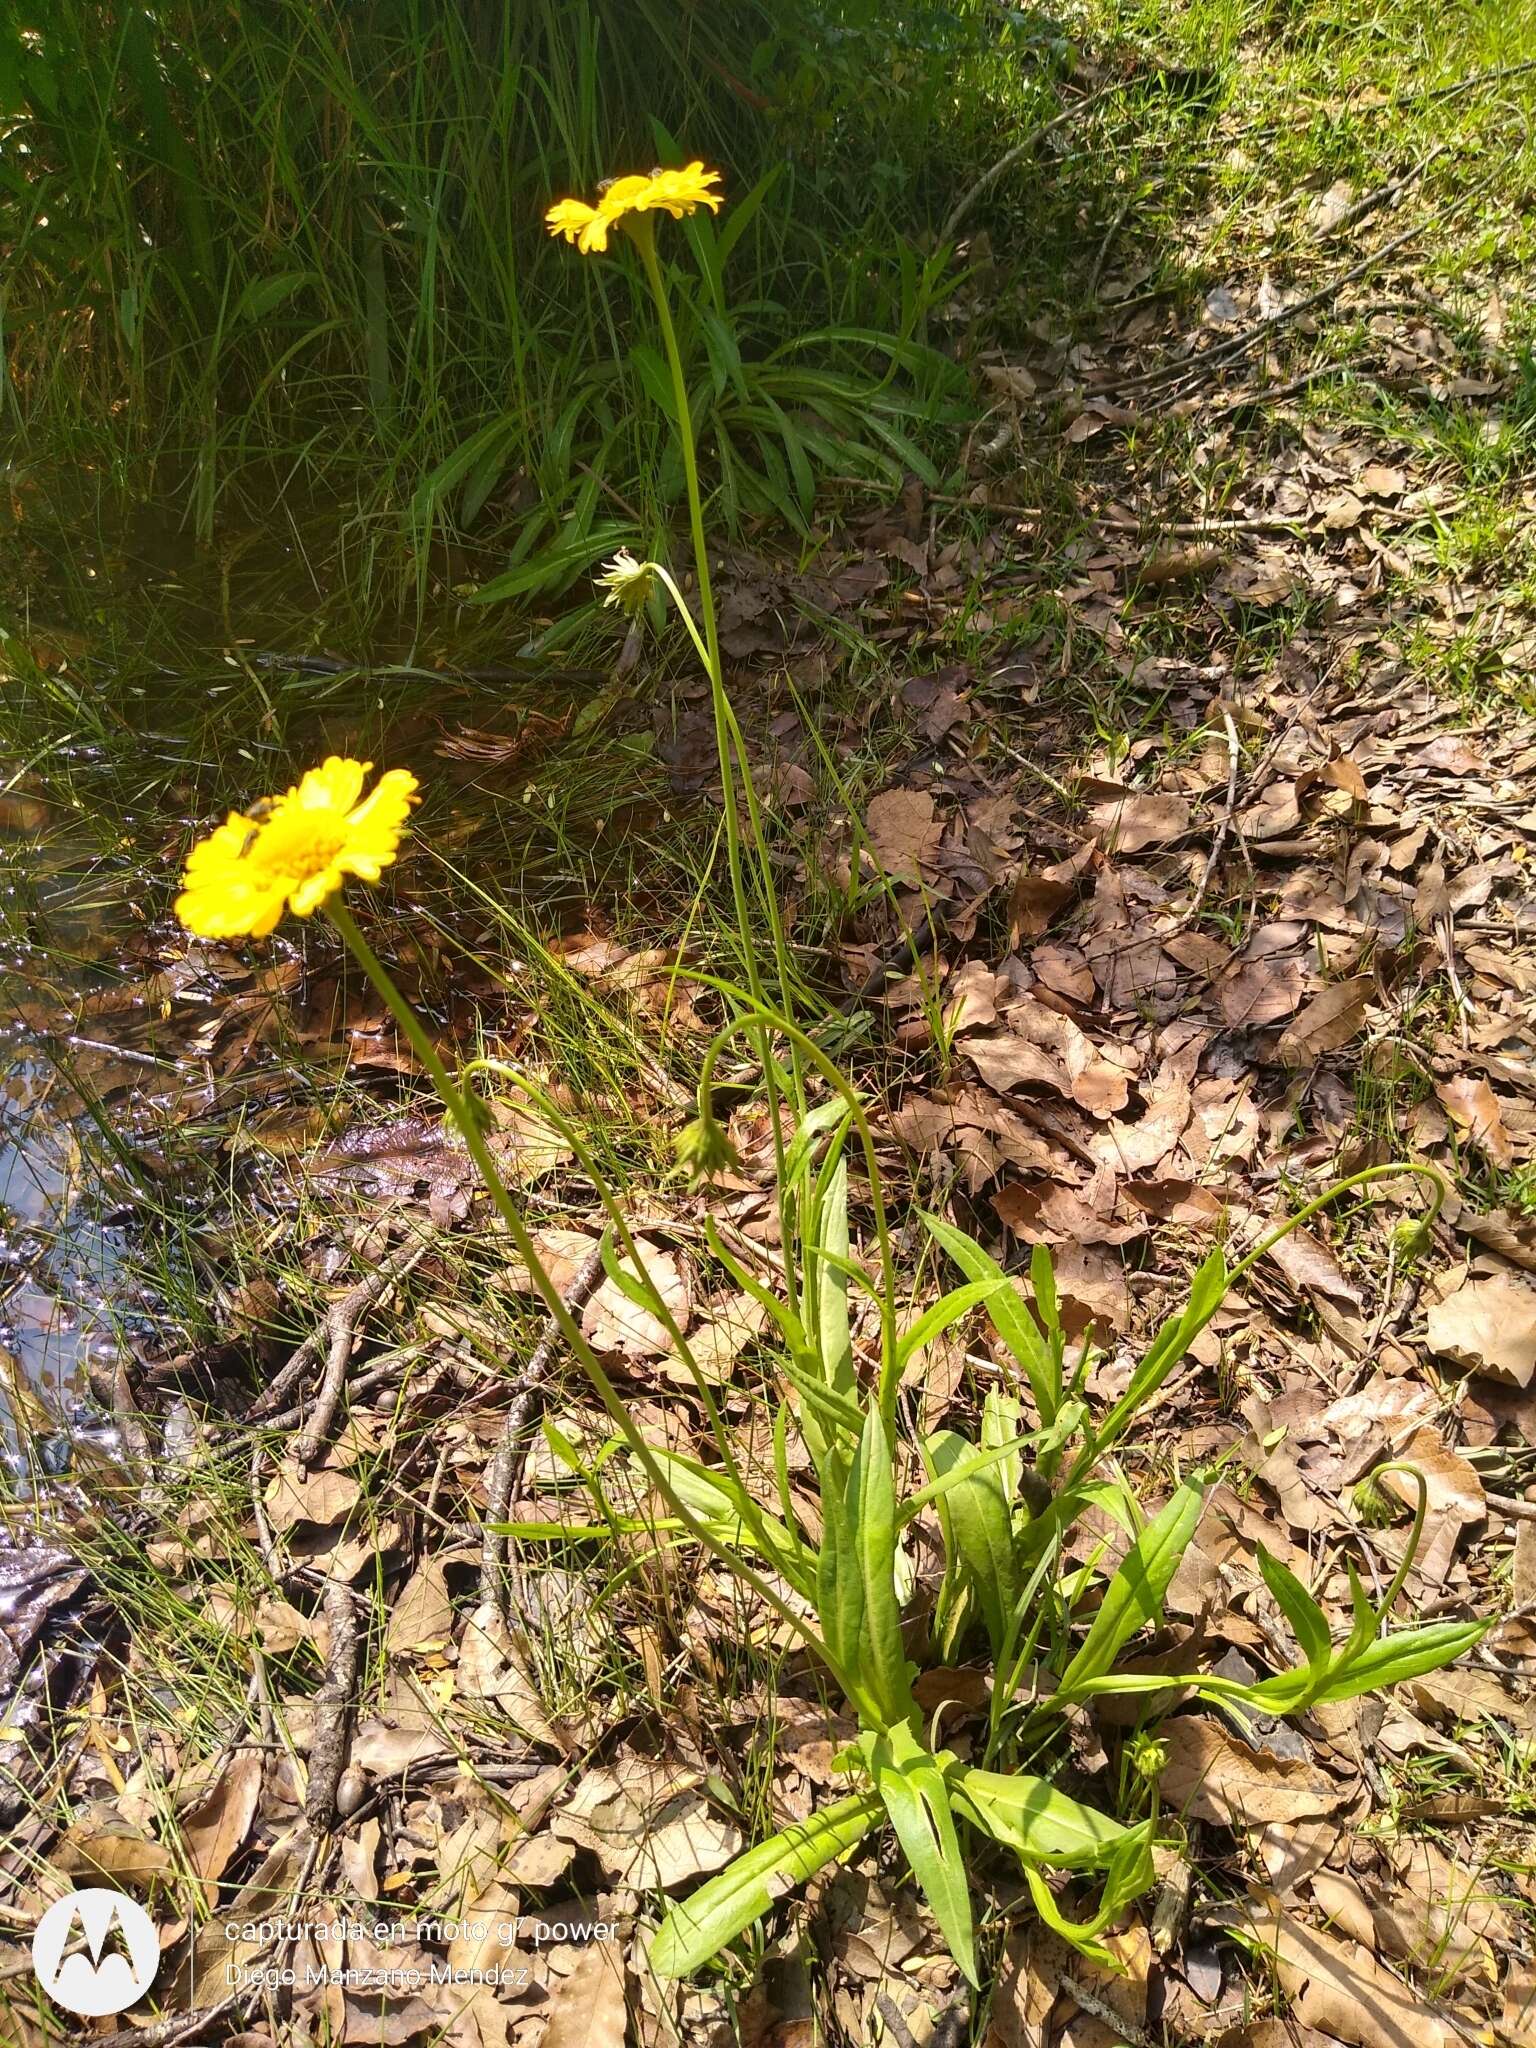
300, 241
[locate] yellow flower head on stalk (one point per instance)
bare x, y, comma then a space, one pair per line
627, 582
675, 192
294, 852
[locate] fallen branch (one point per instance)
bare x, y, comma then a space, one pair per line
505, 1467
1197, 368
337, 1328
339, 1333
333, 1706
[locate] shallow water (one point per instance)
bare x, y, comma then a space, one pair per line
61, 1229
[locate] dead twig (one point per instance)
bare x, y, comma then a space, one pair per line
175, 2027
337, 1327
1511, 1507
333, 1706
341, 1335
505, 1467
1198, 368
1223, 825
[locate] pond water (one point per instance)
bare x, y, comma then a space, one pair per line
138, 696
61, 1226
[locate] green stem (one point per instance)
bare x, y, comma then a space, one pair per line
747, 1506
728, 746
759, 1012
466, 1116
1331, 1194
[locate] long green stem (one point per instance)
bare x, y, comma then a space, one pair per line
812, 1053
731, 753
1331, 1194
659, 1305
466, 1116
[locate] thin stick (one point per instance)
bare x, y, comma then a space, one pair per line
503, 1471
1240, 344
333, 1706
343, 1336
338, 1327
1219, 838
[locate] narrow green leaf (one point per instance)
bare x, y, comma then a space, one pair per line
1029, 1816
1010, 1318
1407, 1653
979, 1520
910, 1782
1308, 1623
872, 1504
1206, 1293
1134, 1595
697, 1928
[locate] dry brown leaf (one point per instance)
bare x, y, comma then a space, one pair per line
1488, 1324
1472, 1105
1340, 1988
1451, 1484
587, 2008
1139, 819
1041, 1046
904, 832
1261, 992
1465, 1695
612, 1322
1210, 1775
99, 1845
1308, 1264
1330, 1020
1441, 1914
970, 997
422, 1616
322, 1496
216, 1829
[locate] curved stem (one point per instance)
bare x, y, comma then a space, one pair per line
465, 1114
660, 1308
1331, 1194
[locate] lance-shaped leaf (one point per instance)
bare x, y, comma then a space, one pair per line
697, 1928
1010, 1318
1029, 1816
910, 1781
872, 1502
1206, 1294
977, 1520
1134, 1596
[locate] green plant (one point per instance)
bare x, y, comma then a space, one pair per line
1006, 1504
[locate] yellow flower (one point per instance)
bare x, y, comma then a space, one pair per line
296, 851
627, 582
675, 192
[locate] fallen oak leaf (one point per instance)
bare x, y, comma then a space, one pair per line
1488, 1324
904, 832
1338, 1985
1212, 1776
1333, 1017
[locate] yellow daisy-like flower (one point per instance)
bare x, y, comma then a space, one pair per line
627, 582
674, 192
296, 851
